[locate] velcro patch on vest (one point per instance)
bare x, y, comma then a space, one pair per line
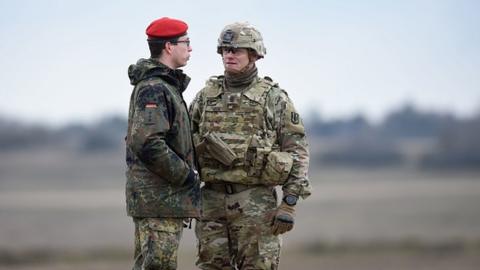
232, 100
211, 102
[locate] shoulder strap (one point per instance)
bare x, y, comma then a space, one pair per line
259, 94
213, 87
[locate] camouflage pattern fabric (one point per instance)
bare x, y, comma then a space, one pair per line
261, 126
160, 152
156, 243
234, 231
253, 123
241, 35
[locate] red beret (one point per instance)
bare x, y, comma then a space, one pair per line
166, 28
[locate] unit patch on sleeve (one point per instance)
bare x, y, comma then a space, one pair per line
295, 118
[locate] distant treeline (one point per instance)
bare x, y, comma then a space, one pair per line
406, 137
106, 135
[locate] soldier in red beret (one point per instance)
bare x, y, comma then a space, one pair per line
162, 189
165, 34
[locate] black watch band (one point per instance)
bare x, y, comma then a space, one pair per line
290, 200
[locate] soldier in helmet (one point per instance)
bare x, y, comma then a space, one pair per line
162, 188
249, 139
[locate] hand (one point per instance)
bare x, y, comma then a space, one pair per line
284, 219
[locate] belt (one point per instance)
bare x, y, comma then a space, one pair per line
229, 188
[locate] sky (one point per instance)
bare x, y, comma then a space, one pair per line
64, 61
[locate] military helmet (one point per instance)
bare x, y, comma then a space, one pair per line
241, 35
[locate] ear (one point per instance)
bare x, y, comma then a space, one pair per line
252, 56
168, 47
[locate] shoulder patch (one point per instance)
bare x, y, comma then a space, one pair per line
149, 95
295, 118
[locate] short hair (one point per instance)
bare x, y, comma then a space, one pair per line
156, 45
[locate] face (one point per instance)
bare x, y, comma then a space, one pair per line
181, 51
235, 60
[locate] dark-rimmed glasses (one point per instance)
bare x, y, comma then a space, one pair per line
187, 42
233, 50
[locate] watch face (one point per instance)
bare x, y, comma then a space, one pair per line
290, 200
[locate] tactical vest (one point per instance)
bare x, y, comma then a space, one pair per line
239, 120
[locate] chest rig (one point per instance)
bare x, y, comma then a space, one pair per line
239, 120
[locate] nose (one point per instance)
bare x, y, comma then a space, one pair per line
228, 55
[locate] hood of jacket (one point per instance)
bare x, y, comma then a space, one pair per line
149, 68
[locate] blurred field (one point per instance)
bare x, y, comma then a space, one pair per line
63, 211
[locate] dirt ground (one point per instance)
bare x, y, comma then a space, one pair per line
415, 220
295, 260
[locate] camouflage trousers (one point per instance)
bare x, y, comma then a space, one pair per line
156, 243
235, 230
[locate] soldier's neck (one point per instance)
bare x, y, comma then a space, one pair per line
238, 82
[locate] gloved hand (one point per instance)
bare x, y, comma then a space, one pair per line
284, 219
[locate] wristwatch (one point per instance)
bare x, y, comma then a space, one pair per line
290, 199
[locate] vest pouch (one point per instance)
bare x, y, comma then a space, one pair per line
218, 149
277, 168
256, 157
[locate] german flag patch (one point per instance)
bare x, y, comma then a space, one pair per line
151, 106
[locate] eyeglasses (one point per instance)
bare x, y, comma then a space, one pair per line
187, 42
226, 50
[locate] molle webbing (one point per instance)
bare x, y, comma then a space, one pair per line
239, 119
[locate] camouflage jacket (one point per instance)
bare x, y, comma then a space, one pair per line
159, 152
255, 122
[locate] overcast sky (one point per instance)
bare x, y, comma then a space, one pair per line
67, 61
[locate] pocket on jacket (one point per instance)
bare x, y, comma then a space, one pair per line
277, 168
